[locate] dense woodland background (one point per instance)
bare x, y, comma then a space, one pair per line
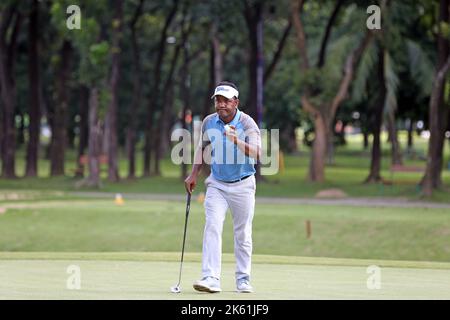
138, 68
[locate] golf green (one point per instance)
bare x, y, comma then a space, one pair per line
150, 276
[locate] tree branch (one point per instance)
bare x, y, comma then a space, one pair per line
277, 55
349, 68
327, 33
296, 6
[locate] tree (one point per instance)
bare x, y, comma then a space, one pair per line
437, 109
137, 93
111, 115
319, 101
34, 80
92, 72
155, 90
10, 23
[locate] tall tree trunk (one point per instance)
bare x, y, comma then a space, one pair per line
33, 76
365, 139
60, 116
137, 89
254, 18
217, 55
8, 17
330, 139
433, 169
396, 153
154, 95
437, 117
410, 136
95, 138
1, 133
162, 135
20, 131
375, 163
215, 69
83, 129
185, 91
317, 163
111, 115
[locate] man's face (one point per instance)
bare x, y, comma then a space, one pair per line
225, 107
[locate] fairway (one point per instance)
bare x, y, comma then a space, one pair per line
339, 231
149, 276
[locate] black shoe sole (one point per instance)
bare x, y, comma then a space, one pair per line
204, 289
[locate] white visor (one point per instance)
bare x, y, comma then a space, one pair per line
226, 91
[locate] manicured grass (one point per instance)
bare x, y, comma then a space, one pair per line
149, 276
149, 226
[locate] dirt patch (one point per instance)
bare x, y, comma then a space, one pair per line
2, 210
11, 196
331, 193
444, 231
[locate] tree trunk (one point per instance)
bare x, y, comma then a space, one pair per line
8, 17
319, 150
20, 131
162, 132
375, 164
330, 139
410, 136
254, 18
185, 91
95, 138
83, 128
217, 57
396, 154
154, 95
365, 140
215, 70
437, 117
1, 132
137, 89
431, 179
33, 76
59, 127
254, 15
111, 115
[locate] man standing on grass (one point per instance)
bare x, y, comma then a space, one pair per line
235, 143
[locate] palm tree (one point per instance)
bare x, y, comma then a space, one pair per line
381, 62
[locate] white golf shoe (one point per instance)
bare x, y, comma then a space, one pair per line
208, 284
243, 286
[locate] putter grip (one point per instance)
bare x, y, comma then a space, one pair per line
188, 203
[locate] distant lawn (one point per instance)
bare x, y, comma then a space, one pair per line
149, 226
349, 170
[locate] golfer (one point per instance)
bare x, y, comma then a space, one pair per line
235, 144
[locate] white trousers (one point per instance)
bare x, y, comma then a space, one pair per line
240, 198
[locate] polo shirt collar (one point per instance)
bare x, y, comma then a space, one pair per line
232, 122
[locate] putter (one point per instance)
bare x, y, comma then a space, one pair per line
177, 289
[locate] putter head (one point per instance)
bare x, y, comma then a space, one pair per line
175, 289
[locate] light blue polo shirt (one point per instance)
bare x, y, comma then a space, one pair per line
228, 162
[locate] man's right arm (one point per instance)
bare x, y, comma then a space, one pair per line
191, 180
